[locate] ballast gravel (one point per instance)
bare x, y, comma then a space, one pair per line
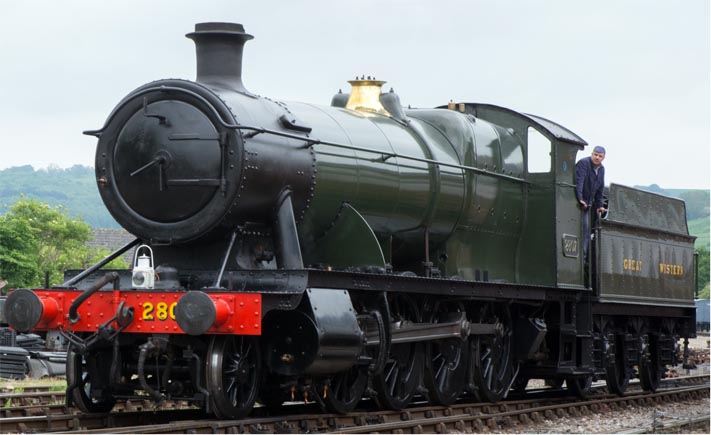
634, 416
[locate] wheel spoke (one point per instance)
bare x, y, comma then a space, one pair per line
393, 382
439, 368
444, 378
494, 371
233, 370
488, 377
486, 354
390, 370
397, 384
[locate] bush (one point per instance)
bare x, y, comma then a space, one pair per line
36, 237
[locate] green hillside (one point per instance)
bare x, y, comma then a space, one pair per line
73, 188
697, 200
700, 228
697, 210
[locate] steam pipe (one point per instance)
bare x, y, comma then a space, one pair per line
288, 251
224, 261
109, 277
143, 354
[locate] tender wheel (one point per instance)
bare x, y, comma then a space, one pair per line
342, 392
398, 382
493, 367
617, 375
580, 387
90, 374
650, 370
233, 364
446, 360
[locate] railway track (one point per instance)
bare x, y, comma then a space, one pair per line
29, 388
40, 398
508, 417
677, 425
27, 405
34, 398
141, 417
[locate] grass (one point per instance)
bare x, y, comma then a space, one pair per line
18, 386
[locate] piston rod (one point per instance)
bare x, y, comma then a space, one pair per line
414, 332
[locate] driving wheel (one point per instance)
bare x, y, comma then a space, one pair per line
398, 382
342, 392
446, 359
492, 357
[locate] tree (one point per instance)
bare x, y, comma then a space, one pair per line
704, 293
35, 237
704, 265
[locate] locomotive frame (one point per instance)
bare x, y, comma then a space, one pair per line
327, 253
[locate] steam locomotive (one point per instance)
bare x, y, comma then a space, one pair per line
292, 251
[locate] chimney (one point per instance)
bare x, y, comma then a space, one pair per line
218, 47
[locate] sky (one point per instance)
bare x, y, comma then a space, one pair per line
632, 76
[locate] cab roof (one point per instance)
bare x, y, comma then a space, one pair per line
553, 129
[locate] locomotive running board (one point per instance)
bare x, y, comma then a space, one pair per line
297, 281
